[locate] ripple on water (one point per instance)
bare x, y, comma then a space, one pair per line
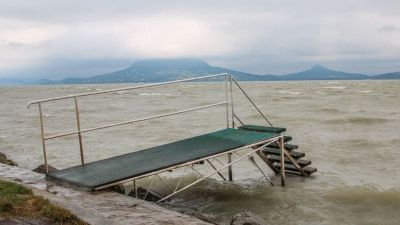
289, 92
365, 195
358, 120
361, 143
335, 87
329, 110
364, 205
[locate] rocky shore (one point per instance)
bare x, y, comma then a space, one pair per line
95, 208
103, 207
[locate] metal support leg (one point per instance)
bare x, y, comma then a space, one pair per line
216, 159
148, 189
282, 146
180, 180
193, 169
42, 136
230, 167
78, 123
251, 158
215, 169
164, 182
135, 188
212, 173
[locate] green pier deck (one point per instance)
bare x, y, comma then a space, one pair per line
97, 174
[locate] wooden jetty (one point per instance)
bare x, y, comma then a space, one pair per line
266, 141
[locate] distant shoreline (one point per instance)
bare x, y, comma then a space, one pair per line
161, 70
275, 81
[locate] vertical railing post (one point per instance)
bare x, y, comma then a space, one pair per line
226, 99
78, 123
230, 167
42, 137
233, 126
282, 147
233, 113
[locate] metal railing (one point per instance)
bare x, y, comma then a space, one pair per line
228, 78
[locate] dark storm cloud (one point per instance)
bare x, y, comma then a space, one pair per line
63, 38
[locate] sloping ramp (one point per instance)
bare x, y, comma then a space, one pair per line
119, 168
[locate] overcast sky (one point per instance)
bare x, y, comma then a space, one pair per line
54, 39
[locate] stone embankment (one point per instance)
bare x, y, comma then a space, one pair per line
97, 208
102, 207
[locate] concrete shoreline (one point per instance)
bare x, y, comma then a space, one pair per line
100, 207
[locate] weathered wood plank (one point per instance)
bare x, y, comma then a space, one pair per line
273, 151
301, 162
288, 147
276, 130
265, 159
308, 170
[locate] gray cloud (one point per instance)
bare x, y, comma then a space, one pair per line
388, 28
63, 38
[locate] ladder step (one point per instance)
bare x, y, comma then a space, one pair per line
289, 167
301, 162
288, 147
287, 138
276, 130
274, 151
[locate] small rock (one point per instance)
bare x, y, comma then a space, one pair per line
42, 169
2, 157
247, 218
5, 160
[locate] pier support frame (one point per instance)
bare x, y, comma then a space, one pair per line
250, 150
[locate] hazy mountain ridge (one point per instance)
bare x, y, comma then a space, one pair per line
395, 75
160, 70
319, 72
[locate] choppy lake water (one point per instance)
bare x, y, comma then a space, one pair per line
349, 129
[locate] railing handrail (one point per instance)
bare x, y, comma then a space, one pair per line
228, 78
136, 120
124, 89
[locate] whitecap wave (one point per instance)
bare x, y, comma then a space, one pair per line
153, 94
289, 92
336, 87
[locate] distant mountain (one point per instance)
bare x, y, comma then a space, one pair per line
319, 72
395, 75
159, 70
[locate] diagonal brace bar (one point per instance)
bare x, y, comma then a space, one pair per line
251, 158
214, 172
215, 169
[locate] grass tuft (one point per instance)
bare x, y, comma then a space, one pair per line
19, 201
